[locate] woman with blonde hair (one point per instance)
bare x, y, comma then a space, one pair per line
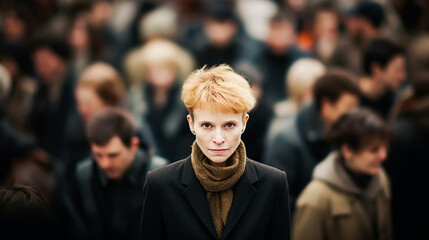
216, 192
155, 73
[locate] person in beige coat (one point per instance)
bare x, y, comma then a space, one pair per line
349, 195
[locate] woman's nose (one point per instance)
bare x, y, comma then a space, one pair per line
218, 138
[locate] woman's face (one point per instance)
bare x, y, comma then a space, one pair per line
367, 161
217, 134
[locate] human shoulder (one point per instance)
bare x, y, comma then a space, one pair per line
264, 171
169, 172
316, 194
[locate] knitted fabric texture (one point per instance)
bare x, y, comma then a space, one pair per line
218, 182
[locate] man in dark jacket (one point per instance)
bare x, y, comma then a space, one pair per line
300, 145
105, 199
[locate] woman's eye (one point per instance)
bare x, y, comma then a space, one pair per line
230, 125
206, 125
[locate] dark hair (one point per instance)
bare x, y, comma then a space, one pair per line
358, 128
19, 201
106, 124
370, 10
222, 12
56, 44
333, 84
24, 213
380, 51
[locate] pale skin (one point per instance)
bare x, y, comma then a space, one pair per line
367, 161
115, 158
217, 134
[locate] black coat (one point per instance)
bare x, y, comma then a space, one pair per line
175, 205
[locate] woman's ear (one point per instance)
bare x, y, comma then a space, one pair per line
346, 152
191, 123
245, 119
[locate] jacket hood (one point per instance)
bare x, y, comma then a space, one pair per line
333, 173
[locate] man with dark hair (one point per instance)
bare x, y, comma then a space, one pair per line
105, 199
384, 65
300, 145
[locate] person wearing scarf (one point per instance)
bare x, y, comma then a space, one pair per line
349, 195
217, 192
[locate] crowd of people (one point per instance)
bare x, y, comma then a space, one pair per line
93, 97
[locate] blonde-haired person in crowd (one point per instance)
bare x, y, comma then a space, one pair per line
349, 194
216, 192
155, 73
299, 81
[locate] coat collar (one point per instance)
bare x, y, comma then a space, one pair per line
244, 192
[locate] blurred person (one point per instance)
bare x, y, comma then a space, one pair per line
320, 35
298, 146
279, 53
81, 44
385, 75
408, 159
262, 113
300, 79
17, 29
349, 194
104, 197
107, 45
100, 86
363, 22
160, 22
156, 71
216, 192
220, 38
412, 15
23, 161
53, 101
24, 213
23, 87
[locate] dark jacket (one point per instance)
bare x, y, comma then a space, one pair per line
297, 148
95, 207
408, 166
175, 205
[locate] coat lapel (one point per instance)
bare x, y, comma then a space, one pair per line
243, 194
196, 197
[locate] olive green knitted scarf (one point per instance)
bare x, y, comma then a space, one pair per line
218, 182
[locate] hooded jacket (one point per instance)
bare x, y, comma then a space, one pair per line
333, 207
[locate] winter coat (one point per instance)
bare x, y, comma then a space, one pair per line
175, 205
332, 207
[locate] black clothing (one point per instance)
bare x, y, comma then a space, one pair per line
175, 205
381, 106
274, 68
94, 207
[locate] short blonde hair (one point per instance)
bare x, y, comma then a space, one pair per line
301, 77
218, 89
106, 82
